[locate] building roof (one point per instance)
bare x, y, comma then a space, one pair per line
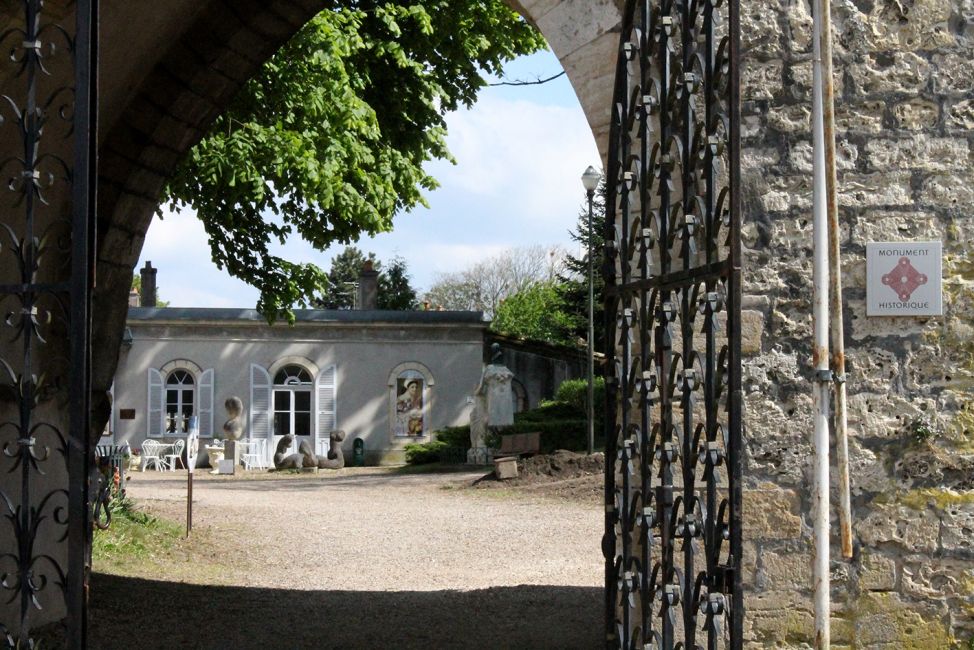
215, 314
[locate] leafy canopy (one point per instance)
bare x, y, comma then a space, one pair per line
327, 142
536, 313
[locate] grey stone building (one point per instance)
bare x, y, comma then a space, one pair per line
388, 377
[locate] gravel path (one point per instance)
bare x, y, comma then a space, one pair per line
368, 560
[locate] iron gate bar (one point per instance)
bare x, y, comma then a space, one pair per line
672, 260
49, 520
83, 233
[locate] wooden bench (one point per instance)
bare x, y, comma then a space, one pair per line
520, 444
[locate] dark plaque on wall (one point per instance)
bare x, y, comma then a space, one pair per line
126, 414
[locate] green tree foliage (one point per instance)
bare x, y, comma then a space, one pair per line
329, 139
395, 291
343, 279
536, 313
573, 282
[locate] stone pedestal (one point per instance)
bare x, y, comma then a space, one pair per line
505, 468
231, 452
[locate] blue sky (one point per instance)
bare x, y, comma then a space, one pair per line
520, 152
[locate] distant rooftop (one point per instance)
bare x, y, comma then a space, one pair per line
211, 314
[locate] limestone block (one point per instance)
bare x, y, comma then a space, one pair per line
867, 470
918, 152
866, 117
917, 114
758, 159
570, 23
752, 328
915, 531
873, 190
846, 155
793, 119
896, 72
760, 31
913, 25
961, 115
885, 620
749, 564
771, 513
958, 525
949, 190
932, 577
785, 571
799, 17
801, 75
952, 73
878, 573
896, 225
863, 327
761, 79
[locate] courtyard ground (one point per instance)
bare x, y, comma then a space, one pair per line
362, 558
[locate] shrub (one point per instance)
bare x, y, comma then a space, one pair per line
421, 453
454, 436
575, 392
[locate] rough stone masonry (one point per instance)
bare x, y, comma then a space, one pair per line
904, 79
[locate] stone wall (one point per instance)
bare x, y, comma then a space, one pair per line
905, 116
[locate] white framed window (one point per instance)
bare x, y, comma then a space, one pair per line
292, 401
293, 397
410, 400
178, 391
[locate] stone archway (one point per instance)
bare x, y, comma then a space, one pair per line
167, 70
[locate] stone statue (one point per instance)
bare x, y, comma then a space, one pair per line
335, 459
292, 461
305, 457
493, 404
233, 427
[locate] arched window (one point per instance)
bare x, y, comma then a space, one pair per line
410, 392
292, 401
180, 398
179, 390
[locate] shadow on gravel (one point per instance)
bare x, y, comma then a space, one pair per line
148, 614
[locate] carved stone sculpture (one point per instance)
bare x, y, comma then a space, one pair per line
233, 427
305, 457
335, 459
283, 460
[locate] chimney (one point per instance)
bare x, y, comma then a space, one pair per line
134, 298
368, 287
148, 285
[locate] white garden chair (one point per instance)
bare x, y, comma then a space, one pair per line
150, 455
175, 455
254, 454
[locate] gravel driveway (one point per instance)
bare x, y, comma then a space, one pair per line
360, 560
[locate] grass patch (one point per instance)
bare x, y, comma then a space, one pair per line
133, 538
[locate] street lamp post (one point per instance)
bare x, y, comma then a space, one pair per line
590, 180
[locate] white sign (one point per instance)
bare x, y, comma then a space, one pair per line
904, 279
192, 443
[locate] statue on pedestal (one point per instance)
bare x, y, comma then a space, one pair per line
493, 405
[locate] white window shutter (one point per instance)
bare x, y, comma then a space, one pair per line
260, 404
154, 424
205, 412
325, 411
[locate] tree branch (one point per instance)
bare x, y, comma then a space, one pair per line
536, 82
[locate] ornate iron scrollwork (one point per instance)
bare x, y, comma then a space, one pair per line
673, 492
47, 132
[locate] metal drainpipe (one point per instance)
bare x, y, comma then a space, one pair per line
820, 354
835, 278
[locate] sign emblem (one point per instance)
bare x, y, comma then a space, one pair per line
904, 279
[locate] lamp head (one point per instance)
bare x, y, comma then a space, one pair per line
590, 179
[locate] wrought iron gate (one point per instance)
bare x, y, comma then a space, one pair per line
47, 130
673, 493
